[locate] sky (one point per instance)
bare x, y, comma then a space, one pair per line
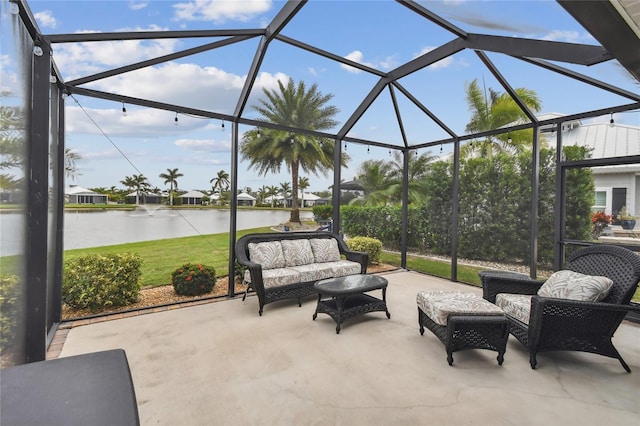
381, 34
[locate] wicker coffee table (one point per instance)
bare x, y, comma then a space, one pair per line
347, 298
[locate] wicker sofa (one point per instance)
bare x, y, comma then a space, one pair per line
579, 316
286, 265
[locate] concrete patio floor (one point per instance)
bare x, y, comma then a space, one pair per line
222, 364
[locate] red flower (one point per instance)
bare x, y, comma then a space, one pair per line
188, 278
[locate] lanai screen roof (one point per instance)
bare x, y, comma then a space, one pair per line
408, 91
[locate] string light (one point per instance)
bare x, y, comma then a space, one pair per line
258, 135
124, 110
345, 146
440, 148
509, 140
222, 125
368, 150
611, 122
175, 120
292, 140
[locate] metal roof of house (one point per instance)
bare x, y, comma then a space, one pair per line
606, 141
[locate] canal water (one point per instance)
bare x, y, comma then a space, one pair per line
107, 227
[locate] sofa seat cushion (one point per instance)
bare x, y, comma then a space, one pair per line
276, 277
438, 305
576, 286
320, 271
268, 254
517, 306
297, 252
325, 250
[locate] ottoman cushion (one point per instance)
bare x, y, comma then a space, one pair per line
438, 305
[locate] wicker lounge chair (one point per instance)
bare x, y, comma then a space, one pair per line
560, 324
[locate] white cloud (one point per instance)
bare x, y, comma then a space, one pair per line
567, 36
137, 5
45, 19
204, 145
220, 11
80, 59
357, 56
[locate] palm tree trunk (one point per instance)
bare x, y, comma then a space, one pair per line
295, 210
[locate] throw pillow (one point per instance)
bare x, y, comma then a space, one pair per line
268, 254
297, 252
576, 286
325, 249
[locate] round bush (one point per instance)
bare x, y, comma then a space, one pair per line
102, 281
193, 279
373, 246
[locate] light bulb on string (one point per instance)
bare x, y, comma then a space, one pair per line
124, 110
440, 148
368, 150
611, 122
509, 140
292, 140
222, 125
345, 146
175, 120
258, 134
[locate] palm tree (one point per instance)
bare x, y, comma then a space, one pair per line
137, 182
70, 159
296, 107
220, 182
272, 191
303, 183
285, 190
496, 111
376, 177
171, 178
416, 172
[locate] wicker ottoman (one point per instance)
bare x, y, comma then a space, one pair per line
463, 321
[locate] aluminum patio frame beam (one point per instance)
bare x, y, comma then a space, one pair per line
394, 101
505, 84
583, 78
427, 14
329, 55
580, 54
148, 35
588, 114
288, 11
158, 60
424, 109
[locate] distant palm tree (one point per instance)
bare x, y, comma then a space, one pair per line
272, 191
495, 111
285, 190
171, 178
220, 182
296, 107
136, 182
303, 184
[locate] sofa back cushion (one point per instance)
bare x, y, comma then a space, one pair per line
268, 254
574, 285
325, 250
297, 252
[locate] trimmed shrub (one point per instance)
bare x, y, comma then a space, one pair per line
373, 246
193, 279
9, 306
101, 281
322, 212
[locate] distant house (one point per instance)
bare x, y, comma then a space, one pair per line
192, 198
309, 199
78, 195
143, 198
245, 199
616, 186
275, 200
